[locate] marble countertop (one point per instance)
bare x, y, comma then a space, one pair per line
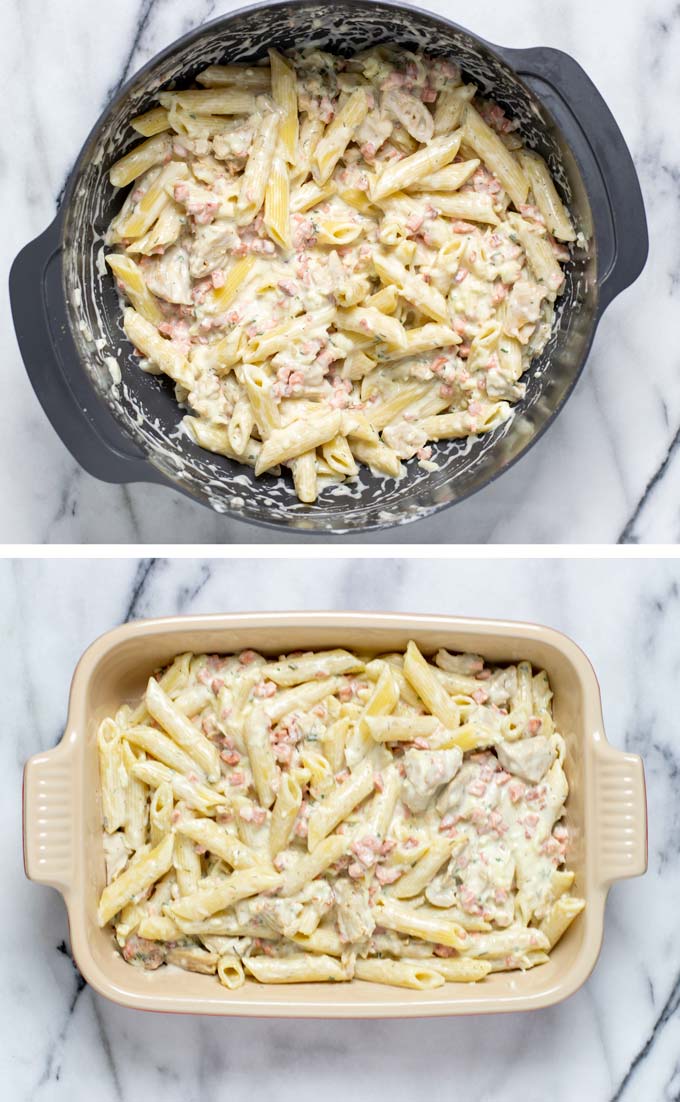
617, 1038
606, 471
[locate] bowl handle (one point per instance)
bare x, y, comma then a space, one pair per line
48, 818
75, 411
600, 148
620, 814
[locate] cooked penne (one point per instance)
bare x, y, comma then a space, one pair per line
311, 236
356, 800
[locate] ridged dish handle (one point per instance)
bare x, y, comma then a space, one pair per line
600, 147
59, 379
48, 818
621, 804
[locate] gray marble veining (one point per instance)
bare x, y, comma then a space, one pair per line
617, 1038
606, 469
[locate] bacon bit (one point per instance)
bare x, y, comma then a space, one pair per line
176, 816
460, 276
560, 251
252, 814
438, 364
231, 757
502, 777
480, 696
236, 779
246, 657
181, 193
534, 725
530, 823
497, 823
444, 951
283, 753
355, 870
217, 684
415, 221
424, 453
428, 95
421, 744
264, 689
477, 787
463, 227
387, 876
218, 278
500, 292
445, 391
528, 210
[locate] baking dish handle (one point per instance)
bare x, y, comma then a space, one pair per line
48, 818
621, 814
78, 416
600, 147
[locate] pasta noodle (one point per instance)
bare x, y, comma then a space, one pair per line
337, 236
391, 818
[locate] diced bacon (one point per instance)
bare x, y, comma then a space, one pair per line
444, 951
534, 725
264, 689
428, 95
287, 286
415, 221
387, 876
218, 277
530, 823
216, 684
438, 364
502, 777
528, 210
445, 391
480, 696
236, 779
477, 787
283, 753
424, 454
462, 227
500, 292
497, 823
460, 276
560, 251
356, 870
252, 814
516, 791
181, 193
246, 657
231, 757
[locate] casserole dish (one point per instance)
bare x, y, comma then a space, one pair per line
129, 432
605, 811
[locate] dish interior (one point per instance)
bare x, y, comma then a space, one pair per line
145, 405
120, 674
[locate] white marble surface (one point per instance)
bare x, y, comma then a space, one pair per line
617, 1038
608, 468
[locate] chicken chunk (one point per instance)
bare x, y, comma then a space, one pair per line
528, 758
426, 772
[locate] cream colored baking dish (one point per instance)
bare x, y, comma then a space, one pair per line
606, 810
